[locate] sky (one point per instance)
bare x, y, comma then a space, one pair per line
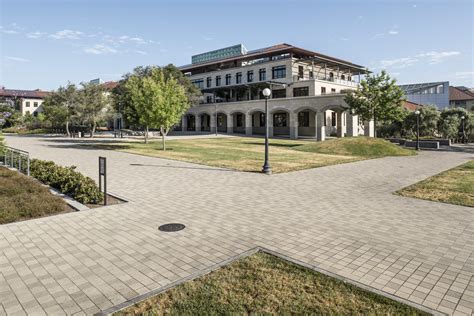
48, 43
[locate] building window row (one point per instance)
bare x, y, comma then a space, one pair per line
301, 92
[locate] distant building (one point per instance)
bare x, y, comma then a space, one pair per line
431, 93
26, 101
461, 97
410, 106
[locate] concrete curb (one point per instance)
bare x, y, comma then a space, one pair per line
137, 299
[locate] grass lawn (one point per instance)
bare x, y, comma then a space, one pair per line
246, 154
262, 284
455, 186
24, 198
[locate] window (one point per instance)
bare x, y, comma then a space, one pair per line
208, 82
209, 99
199, 83
333, 119
27, 104
440, 89
238, 78
250, 76
333, 90
311, 75
303, 119
301, 92
35, 104
331, 76
300, 72
227, 79
323, 90
279, 72
349, 78
35, 113
218, 81
279, 93
343, 77
279, 120
262, 74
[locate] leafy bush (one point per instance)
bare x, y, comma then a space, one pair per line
67, 180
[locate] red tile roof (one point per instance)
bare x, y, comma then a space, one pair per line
456, 94
39, 94
410, 106
109, 85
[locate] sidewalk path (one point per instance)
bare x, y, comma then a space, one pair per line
341, 218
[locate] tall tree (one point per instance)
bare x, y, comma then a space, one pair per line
429, 117
60, 106
378, 98
450, 123
92, 104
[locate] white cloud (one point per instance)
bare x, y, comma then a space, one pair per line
206, 38
67, 34
17, 59
344, 39
6, 31
36, 34
465, 74
100, 49
437, 57
141, 52
393, 32
398, 62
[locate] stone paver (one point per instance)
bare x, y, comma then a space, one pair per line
343, 219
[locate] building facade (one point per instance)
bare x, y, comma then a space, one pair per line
26, 101
461, 97
307, 98
430, 93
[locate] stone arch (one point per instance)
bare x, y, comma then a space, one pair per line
280, 122
205, 122
238, 121
306, 122
257, 119
190, 122
222, 122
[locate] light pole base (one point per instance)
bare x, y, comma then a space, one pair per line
267, 169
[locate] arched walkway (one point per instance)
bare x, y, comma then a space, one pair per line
238, 122
281, 123
221, 122
205, 122
306, 123
190, 123
258, 123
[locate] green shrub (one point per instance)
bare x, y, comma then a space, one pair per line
67, 180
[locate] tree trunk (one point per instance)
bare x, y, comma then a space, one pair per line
94, 125
163, 141
146, 134
67, 129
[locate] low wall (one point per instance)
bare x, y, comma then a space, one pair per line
423, 144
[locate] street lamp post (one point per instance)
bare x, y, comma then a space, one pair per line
463, 118
417, 129
266, 166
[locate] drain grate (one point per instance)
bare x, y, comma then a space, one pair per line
172, 227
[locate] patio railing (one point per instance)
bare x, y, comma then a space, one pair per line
15, 158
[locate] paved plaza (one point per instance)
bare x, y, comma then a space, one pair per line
342, 218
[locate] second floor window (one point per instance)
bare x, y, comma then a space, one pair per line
27, 104
199, 83
279, 72
301, 92
238, 78
209, 99
227, 79
250, 76
279, 93
262, 74
35, 104
218, 81
208, 82
323, 90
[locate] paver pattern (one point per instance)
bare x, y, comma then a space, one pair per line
341, 218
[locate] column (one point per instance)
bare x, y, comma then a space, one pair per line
369, 128
184, 123
339, 121
197, 122
320, 126
213, 123
248, 124
352, 125
293, 125
230, 124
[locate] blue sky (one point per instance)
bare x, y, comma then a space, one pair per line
44, 44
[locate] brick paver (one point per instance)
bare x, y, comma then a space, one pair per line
342, 218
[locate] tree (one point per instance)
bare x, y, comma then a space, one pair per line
429, 117
61, 105
450, 123
378, 98
92, 104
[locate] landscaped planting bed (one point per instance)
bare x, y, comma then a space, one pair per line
265, 284
22, 197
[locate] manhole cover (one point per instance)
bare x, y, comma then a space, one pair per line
172, 227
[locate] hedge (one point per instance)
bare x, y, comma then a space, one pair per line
66, 180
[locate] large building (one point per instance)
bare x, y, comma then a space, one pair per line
26, 101
430, 93
461, 97
307, 97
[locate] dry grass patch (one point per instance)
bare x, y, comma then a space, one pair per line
246, 154
262, 284
455, 186
24, 198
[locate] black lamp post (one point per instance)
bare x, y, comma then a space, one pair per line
215, 112
417, 129
266, 166
463, 118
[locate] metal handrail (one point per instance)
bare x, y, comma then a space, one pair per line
8, 155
